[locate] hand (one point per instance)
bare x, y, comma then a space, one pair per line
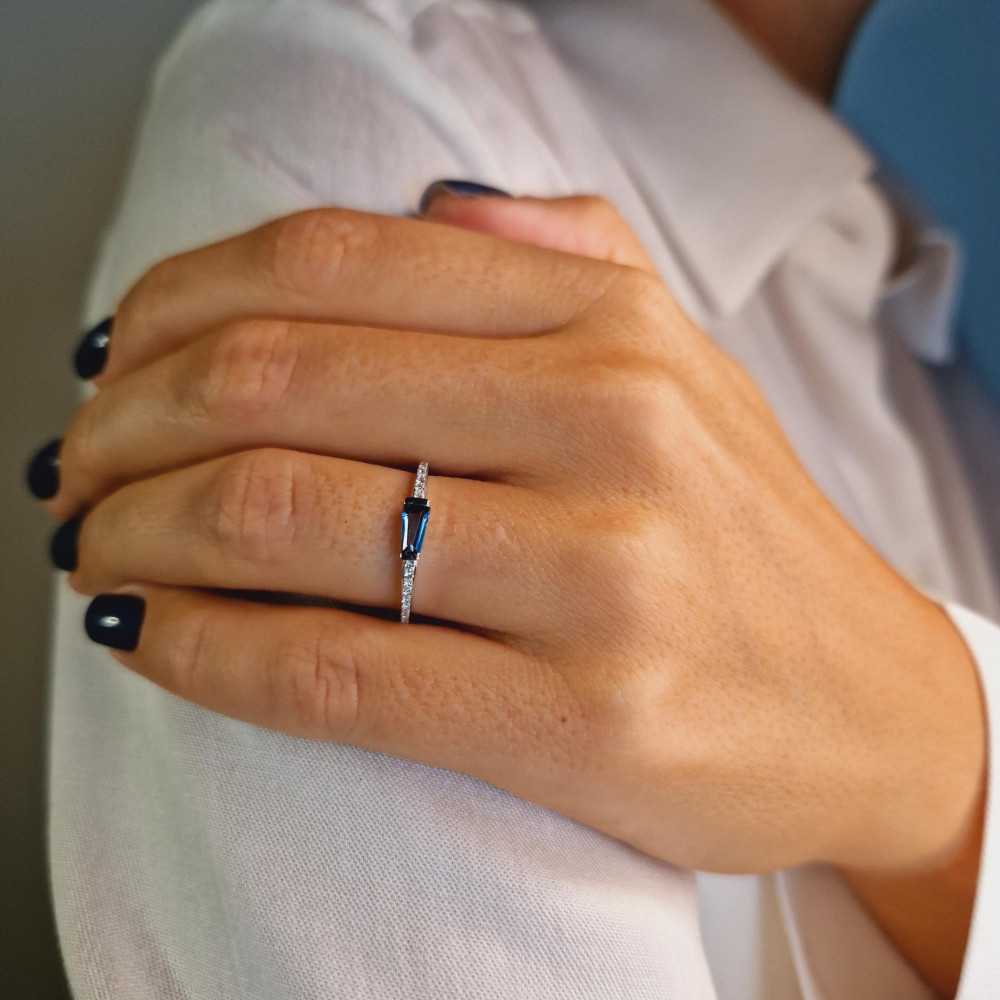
644, 613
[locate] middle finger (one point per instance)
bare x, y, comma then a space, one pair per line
385, 396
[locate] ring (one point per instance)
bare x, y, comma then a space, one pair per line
416, 510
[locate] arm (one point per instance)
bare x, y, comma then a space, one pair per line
944, 919
928, 914
194, 854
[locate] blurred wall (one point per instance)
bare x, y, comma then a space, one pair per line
72, 77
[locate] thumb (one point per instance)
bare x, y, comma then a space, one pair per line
582, 224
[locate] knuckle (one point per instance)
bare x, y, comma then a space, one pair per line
641, 418
614, 705
80, 456
322, 677
259, 503
102, 540
148, 303
642, 294
627, 408
249, 371
611, 562
637, 305
308, 250
596, 210
184, 656
617, 562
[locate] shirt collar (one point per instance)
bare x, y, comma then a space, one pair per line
733, 158
921, 301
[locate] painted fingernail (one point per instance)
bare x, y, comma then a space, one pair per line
92, 354
43, 471
115, 620
62, 548
462, 189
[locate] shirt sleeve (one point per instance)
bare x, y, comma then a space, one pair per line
840, 953
261, 109
981, 967
196, 856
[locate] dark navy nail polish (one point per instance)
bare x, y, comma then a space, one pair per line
463, 189
62, 548
115, 620
43, 471
92, 354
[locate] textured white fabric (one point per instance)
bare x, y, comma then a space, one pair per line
197, 857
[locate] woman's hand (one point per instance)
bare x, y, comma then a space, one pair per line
644, 613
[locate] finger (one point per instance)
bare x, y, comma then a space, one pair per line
383, 396
336, 265
326, 527
424, 692
582, 224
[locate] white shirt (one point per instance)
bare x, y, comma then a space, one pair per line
198, 857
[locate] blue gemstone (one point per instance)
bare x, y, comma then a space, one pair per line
416, 511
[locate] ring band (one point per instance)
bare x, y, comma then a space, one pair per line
416, 511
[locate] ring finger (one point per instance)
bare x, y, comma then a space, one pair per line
307, 524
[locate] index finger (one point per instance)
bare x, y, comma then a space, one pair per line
342, 266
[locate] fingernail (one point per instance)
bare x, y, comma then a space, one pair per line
92, 353
115, 619
43, 471
462, 189
62, 548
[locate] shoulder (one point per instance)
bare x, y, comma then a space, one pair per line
466, 67
259, 108
389, 38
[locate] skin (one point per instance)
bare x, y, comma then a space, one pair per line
927, 915
806, 38
634, 607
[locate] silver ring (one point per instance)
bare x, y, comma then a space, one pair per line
416, 510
